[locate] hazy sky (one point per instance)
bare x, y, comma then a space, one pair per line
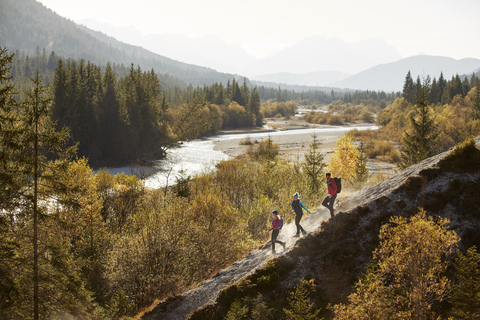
435, 27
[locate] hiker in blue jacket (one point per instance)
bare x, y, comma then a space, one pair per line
277, 224
297, 207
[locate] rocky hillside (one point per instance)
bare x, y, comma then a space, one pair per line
336, 251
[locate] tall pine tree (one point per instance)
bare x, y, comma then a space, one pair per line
420, 139
41, 142
476, 104
409, 88
314, 166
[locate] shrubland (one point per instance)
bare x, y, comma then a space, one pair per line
272, 109
455, 122
125, 245
409, 253
339, 113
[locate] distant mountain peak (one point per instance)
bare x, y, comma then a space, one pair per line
390, 76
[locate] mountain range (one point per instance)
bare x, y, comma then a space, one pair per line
312, 63
391, 76
315, 61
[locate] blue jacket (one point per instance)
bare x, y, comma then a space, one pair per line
301, 205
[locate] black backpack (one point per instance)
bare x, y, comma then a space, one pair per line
338, 182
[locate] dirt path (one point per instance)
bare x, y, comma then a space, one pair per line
206, 293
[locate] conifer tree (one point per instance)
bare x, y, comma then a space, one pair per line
10, 183
409, 88
441, 87
237, 311
220, 96
361, 169
245, 91
301, 306
434, 92
236, 94
254, 107
420, 139
314, 166
10, 144
465, 296
41, 142
33, 153
466, 86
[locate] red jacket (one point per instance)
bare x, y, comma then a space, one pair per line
276, 224
332, 187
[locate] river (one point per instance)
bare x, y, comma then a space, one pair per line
195, 156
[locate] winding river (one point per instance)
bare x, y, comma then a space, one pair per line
198, 155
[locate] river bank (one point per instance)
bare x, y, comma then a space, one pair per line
296, 141
292, 144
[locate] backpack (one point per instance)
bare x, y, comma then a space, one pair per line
338, 182
281, 224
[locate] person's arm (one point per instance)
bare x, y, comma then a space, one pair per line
275, 224
303, 205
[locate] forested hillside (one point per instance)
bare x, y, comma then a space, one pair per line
28, 26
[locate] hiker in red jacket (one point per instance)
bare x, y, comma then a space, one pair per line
277, 224
332, 194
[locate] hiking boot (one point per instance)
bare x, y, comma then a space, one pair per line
296, 236
304, 232
283, 244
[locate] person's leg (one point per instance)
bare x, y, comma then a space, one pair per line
326, 202
281, 243
332, 202
301, 228
274, 238
297, 223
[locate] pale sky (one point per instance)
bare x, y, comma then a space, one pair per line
448, 28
